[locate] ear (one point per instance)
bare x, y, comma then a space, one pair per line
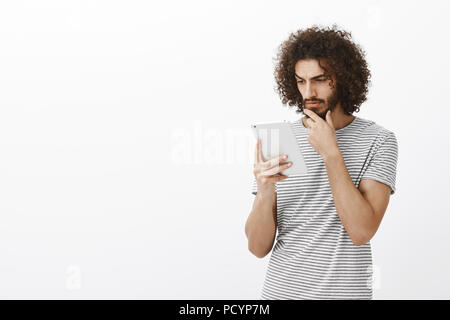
329, 120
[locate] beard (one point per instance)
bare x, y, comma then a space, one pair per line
333, 100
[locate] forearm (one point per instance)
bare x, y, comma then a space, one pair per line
355, 212
260, 227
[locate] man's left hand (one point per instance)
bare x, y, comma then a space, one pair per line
322, 135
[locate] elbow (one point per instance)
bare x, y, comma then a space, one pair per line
360, 239
362, 234
358, 242
258, 245
258, 251
258, 254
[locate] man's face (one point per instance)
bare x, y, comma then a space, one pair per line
314, 85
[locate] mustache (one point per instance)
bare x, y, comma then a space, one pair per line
306, 101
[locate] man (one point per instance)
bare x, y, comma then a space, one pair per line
327, 217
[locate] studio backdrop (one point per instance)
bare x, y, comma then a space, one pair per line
126, 153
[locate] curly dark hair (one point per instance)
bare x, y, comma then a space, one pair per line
344, 58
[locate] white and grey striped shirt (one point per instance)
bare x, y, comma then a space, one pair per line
313, 256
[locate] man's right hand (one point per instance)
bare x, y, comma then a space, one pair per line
265, 171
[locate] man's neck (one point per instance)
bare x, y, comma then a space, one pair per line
341, 120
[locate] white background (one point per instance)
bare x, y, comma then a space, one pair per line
126, 155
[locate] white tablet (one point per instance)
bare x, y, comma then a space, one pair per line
277, 138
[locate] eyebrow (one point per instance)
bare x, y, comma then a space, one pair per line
313, 78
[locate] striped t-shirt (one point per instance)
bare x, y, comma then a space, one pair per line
313, 256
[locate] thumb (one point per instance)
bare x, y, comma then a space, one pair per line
329, 120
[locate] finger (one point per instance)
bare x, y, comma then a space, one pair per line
277, 169
256, 151
274, 161
310, 122
312, 115
279, 178
329, 120
258, 154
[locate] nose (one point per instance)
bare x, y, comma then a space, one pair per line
309, 92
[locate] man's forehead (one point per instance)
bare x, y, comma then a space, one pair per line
310, 68
322, 74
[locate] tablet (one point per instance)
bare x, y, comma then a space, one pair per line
277, 138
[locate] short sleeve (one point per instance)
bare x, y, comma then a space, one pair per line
382, 166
